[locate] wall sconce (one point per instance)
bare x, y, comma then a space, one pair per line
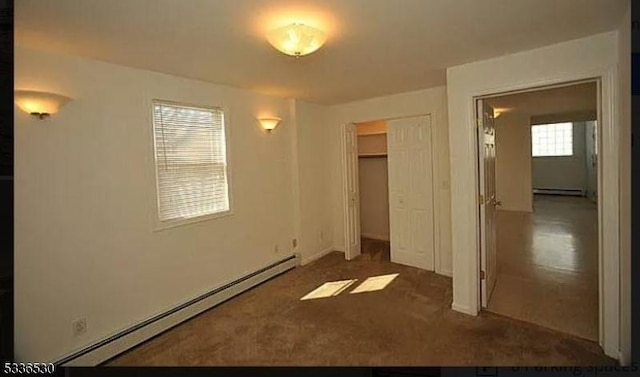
39, 104
499, 111
269, 123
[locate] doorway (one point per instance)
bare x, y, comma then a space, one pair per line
405, 144
538, 163
373, 182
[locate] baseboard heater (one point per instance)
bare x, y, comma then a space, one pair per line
552, 191
114, 345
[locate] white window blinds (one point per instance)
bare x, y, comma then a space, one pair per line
552, 140
191, 161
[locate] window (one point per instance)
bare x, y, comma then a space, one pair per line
552, 140
191, 161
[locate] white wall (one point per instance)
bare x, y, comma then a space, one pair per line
429, 101
513, 162
578, 59
84, 202
624, 95
315, 231
563, 172
373, 178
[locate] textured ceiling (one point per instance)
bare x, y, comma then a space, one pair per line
374, 47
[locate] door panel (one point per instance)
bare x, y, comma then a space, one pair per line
488, 201
411, 192
421, 241
352, 194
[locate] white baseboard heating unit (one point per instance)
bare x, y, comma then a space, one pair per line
552, 191
114, 345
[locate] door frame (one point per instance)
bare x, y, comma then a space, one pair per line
345, 197
608, 197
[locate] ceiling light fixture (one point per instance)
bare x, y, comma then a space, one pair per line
39, 104
297, 39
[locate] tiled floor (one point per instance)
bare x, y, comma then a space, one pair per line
548, 265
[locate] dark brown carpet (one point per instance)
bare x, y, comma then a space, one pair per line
409, 322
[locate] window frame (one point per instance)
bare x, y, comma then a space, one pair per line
554, 155
159, 224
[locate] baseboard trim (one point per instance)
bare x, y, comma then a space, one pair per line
559, 191
623, 360
114, 345
448, 273
316, 256
374, 237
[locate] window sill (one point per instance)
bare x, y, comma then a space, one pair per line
164, 225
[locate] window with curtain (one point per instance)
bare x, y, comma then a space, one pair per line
552, 140
191, 161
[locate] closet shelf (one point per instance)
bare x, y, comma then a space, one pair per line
372, 133
372, 155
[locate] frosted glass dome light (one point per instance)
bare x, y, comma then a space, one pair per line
297, 39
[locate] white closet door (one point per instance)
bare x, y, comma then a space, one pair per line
411, 213
351, 193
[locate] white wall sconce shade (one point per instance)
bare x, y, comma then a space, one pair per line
297, 39
39, 104
269, 123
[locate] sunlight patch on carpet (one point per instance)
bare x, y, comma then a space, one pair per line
375, 283
329, 289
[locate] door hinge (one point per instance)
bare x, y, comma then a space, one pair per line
481, 199
482, 275
479, 122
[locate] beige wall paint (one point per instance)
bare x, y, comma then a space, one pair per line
577, 116
84, 202
513, 162
624, 95
429, 101
374, 197
315, 232
563, 172
372, 143
517, 173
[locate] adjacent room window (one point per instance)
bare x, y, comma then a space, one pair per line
552, 140
191, 161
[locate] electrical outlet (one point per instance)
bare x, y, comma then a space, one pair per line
294, 242
276, 249
79, 326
